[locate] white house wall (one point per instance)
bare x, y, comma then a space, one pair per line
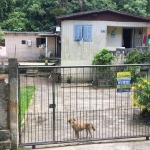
23, 52
74, 53
116, 41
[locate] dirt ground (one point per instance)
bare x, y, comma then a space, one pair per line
112, 113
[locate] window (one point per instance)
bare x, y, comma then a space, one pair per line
83, 32
2, 43
23, 42
40, 41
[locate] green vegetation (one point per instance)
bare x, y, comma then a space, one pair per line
141, 82
40, 15
1, 36
104, 57
26, 95
141, 94
136, 57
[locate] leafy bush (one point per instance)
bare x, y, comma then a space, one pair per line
133, 70
103, 57
141, 94
136, 57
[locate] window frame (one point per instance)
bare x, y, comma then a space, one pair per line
40, 41
83, 33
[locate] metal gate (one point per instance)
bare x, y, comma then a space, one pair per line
49, 96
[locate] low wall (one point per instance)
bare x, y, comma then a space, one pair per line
4, 117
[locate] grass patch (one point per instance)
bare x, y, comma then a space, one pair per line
26, 95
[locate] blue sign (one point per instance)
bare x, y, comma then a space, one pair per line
123, 81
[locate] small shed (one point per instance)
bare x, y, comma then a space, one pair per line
30, 46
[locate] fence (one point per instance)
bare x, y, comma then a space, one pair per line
49, 96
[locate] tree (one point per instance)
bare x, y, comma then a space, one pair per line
136, 7
37, 15
99, 4
16, 21
1, 36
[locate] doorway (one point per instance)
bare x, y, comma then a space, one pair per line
127, 38
58, 54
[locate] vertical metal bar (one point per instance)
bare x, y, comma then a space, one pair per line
99, 124
38, 127
67, 125
45, 127
60, 126
115, 111
64, 104
83, 75
70, 127
49, 87
53, 95
76, 94
97, 103
46, 47
19, 102
80, 126
108, 84
31, 127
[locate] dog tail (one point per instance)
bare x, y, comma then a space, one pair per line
93, 128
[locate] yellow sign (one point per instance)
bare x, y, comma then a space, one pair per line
123, 86
123, 75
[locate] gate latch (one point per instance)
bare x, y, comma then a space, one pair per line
52, 105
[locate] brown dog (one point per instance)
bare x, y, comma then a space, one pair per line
79, 126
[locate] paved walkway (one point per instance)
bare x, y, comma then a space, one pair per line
121, 145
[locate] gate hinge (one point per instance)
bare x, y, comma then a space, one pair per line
52, 105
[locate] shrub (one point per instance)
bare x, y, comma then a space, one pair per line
136, 57
141, 94
103, 57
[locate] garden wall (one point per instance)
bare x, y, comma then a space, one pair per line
4, 117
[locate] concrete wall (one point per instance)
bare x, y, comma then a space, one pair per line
4, 117
23, 52
3, 103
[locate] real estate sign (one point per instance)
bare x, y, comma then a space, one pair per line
123, 81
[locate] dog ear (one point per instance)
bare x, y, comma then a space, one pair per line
74, 119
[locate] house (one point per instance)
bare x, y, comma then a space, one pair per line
85, 33
30, 46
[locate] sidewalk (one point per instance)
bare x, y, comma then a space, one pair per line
137, 144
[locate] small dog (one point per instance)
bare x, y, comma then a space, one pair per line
79, 126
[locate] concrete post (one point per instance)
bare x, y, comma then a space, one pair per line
13, 102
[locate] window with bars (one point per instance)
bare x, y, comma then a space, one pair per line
83, 32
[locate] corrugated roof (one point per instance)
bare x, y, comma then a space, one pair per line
35, 33
17, 32
99, 11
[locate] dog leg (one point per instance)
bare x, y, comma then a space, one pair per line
90, 133
77, 135
86, 133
